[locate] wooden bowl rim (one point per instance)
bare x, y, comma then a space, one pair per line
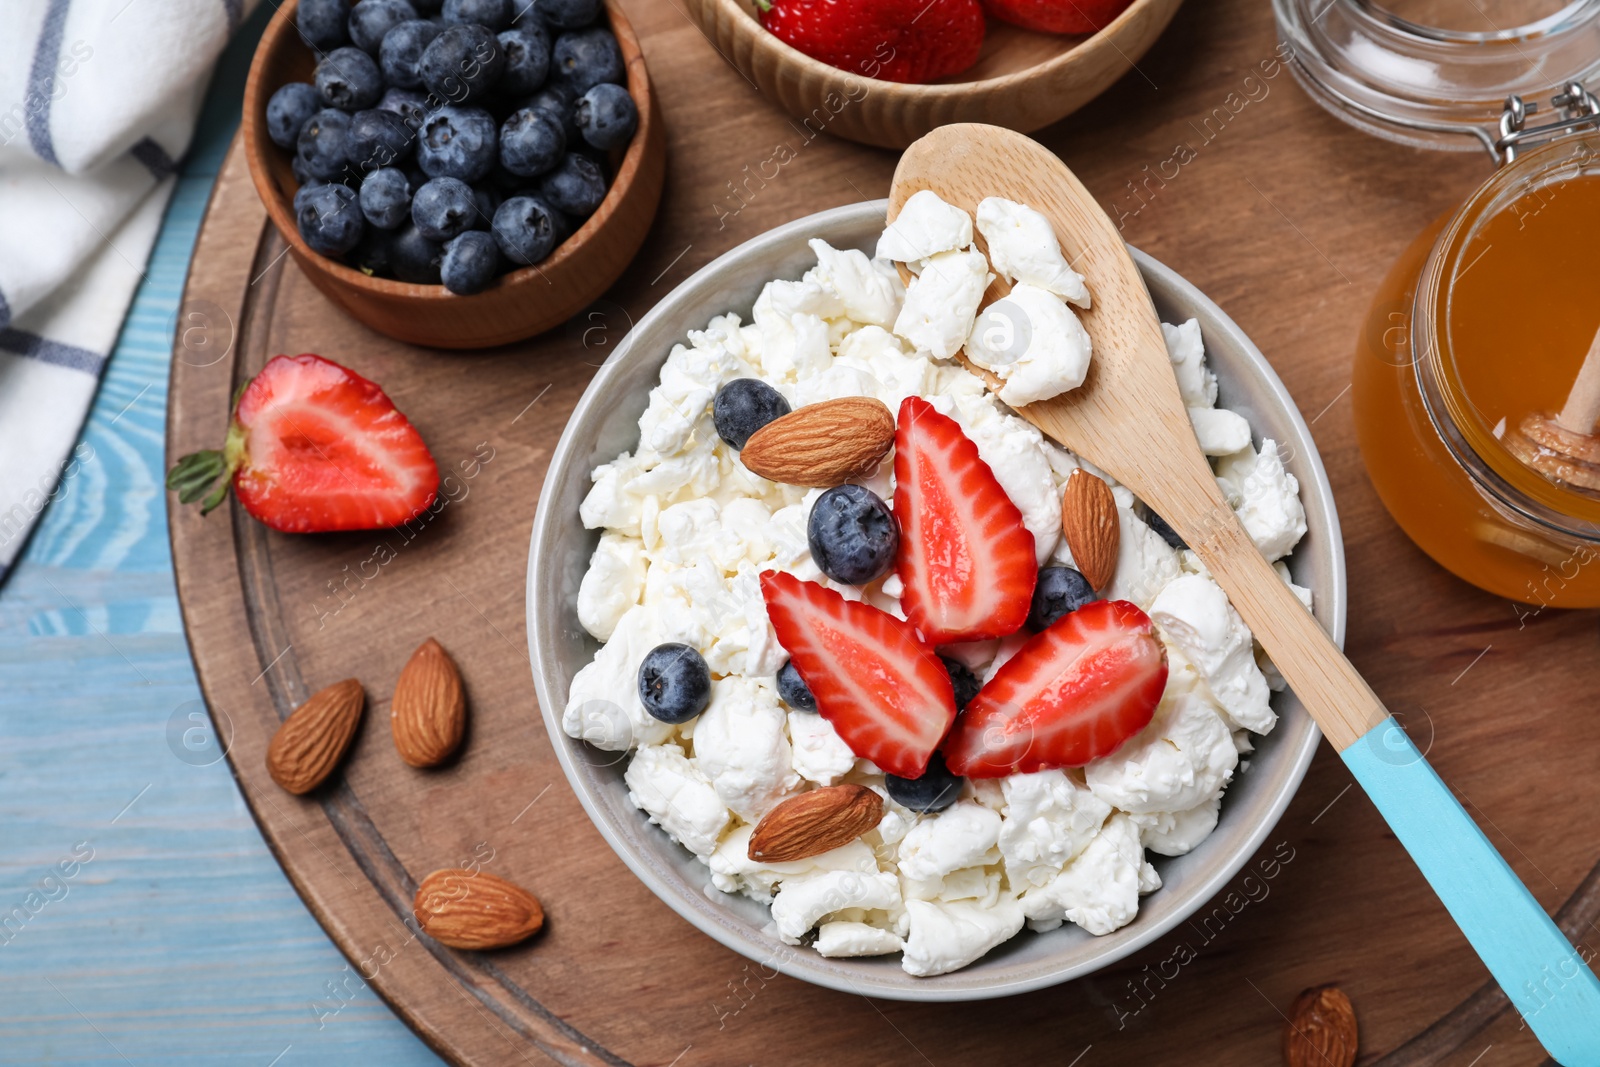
257, 144
1094, 43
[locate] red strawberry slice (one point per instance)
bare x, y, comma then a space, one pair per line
1057, 16
313, 447
966, 559
1074, 693
874, 679
895, 40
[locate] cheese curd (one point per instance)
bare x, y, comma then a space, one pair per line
942, 302
1023, 248
925, 226
1034, 344
685, 530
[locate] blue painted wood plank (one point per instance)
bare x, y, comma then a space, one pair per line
142, 919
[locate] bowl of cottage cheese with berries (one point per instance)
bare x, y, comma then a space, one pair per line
825, 664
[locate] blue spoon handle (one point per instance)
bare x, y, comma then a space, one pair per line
1546, 979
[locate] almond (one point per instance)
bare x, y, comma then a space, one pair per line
1321, 1031
429, 710
815, 822
1090, 524
312, 741
475, 910
822, 445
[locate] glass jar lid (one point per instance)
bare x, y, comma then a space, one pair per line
1439, 73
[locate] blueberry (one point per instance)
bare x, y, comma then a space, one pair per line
1058, 591
288, 110
302, 176
576, 187
1168, 534
378, 138
527, 49
487, 201
793, 688
585, 58
414, 258
322, 23
962, 680
457, 142
443, 208
561, 103
531, 143
321, 147
463, 63
402, 50
853, 536
470, 262
411, 105
493, 14
371, 21
349, 79
374, 254
743, 406
328, 218
386, 198
674, 683
568, 14
606, 116
936, 790
428, 9
525, 229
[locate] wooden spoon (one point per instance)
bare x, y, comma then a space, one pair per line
1129, 418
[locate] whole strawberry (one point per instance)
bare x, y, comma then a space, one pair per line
313, 447
1057, 16
894, 40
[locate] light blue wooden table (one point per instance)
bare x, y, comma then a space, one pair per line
176, 938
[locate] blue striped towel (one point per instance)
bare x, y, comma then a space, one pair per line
98, 98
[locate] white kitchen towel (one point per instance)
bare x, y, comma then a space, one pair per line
98, 99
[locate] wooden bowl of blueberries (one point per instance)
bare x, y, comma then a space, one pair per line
456, 173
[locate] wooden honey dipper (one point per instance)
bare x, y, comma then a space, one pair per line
1564, 447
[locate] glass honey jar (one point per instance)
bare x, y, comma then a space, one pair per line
1475, 430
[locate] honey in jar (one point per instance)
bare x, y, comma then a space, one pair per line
1479, 330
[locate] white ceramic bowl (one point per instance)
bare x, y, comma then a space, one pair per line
605, 423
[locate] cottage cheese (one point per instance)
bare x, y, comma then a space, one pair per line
677, 797
1034, 344
841, 938
612, 583
1266, 497
925, 227
686, 531
942, 302
1023, 248
1193, 614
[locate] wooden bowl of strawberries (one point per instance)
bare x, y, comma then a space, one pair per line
885, 72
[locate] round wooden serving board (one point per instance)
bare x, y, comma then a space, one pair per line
1219, 166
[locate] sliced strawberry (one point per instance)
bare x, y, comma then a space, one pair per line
1074, 693
312, 447
966, 560
874, 679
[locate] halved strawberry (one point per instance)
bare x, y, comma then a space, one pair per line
883, 689
966, 560
1074, 693
312, 447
